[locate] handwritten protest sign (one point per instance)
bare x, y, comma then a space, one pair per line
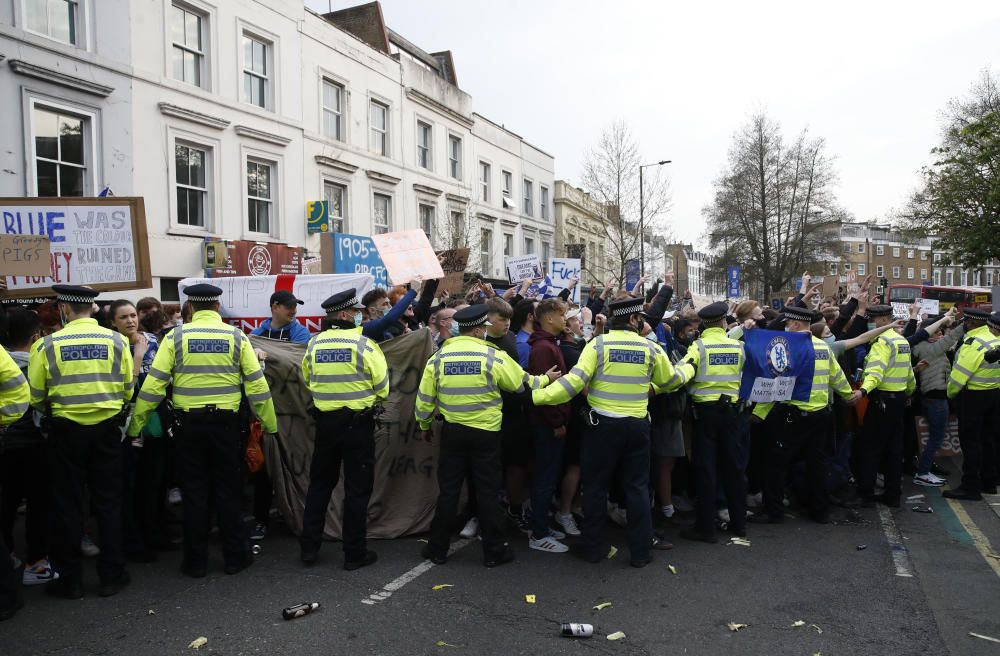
408, 254
453, 263
930, 306
561, 271
98, 242
522, 267
25, 255
900, 311
344, 253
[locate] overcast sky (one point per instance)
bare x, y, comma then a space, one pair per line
870, 77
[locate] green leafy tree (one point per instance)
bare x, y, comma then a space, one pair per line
958, 205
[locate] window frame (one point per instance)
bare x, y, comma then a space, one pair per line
429, 166
485, 181
388, 227
421, 206
81, 20
386, 147
848, 247
950, 277
923, 274
525, 243
861, 247
342, 122
897, 273
455, 163
507, 190
270, 78
847, 266
528, 197
345, 203
206, 190
273, 215
508, 244
204, 18
834, 269
910, 254
896, 251
543, 202
91, 140
862, 268
486, 250
880, 271
880, 249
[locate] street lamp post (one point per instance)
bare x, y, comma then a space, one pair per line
642, 210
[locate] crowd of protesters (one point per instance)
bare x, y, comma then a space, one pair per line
540, 450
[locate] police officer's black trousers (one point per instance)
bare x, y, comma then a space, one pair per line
882, 440
795, 433
476, 452
616, 445
88, 456
715, 452
10, 580
978, 427
342, 437
210, 463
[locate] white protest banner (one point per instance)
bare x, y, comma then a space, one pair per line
930, 306
245, 298
900, 311
408, 254
522, 267
98, 242
25, 255
561, 271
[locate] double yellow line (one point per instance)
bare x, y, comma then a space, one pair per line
979, 540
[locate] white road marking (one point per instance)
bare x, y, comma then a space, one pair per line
900, 556
409, 577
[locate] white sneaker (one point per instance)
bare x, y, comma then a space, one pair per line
174, 496
548, 543
568, 523
755, 500
880, 480
88, 548
471, 528
618, 515
39, 573
928, 480
681, 504
723, 514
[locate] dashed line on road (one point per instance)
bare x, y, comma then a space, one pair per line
409, 577
979, 540
900, 556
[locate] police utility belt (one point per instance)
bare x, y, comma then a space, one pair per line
204, 412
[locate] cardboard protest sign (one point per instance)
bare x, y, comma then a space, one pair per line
561, 271
930, 306
25, 255
97, 242
344, 253
405, 492
408, 254
900, 311
245, 299
522, 267
453, 263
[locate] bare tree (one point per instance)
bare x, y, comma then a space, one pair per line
611, 175
774, 210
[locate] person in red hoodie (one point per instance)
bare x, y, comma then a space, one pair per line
548, 425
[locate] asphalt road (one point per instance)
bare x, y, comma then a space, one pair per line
923, 582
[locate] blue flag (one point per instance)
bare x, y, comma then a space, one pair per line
779, 366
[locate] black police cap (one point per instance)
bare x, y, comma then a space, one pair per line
472, 316
713, 311
880, 311
623, 307
798, 313
75, 293
344, 300
994, 320
202, 293
976, 314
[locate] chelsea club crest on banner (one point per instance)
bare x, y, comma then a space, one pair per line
778, 355
779, 366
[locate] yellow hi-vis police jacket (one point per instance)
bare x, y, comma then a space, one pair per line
970, 371
83, 372
827, 374
14, 394
207, 359
463, 380
619, 367
887, 366
714, 364
344, 369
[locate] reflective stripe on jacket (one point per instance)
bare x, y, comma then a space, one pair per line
463, 381
970, 370
887, 366
14, 394
715, 366
344, 369
207, 360
82, 372
618, 368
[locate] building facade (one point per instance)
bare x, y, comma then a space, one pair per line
878, 250
228, 118
694, 271
946, 273
581, 232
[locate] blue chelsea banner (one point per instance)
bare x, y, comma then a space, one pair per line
733, 276
779, 366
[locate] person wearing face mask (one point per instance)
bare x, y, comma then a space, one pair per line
801, 427
462, 382
381, 315
347, 375
887, 381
